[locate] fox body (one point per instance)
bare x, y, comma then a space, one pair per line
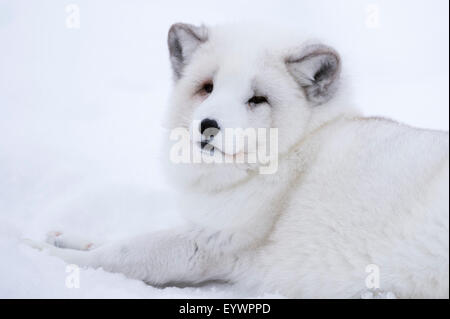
349, 193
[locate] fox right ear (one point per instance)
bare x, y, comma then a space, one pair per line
183, 40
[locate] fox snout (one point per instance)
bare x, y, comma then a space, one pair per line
209, 128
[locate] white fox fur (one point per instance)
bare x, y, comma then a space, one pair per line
349, 191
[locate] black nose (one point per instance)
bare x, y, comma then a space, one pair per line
209, 127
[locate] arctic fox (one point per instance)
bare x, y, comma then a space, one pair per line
354, 204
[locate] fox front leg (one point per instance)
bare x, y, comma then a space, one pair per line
158, 258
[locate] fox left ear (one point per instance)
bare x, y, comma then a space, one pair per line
183, 39
316, 69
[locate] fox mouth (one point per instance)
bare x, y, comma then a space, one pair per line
208, 148
203, 144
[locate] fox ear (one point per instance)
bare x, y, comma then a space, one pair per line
183, 39
316, 69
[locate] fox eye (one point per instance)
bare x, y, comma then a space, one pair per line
207, 88
257, 100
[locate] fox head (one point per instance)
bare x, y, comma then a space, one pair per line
232, 77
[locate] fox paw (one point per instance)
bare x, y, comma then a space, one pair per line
61, 240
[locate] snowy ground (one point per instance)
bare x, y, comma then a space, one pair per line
80, 114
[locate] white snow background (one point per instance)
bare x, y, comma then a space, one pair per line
81, 110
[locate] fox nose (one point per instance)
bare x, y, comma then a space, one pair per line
209, 128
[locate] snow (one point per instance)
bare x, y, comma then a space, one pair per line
80, 114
